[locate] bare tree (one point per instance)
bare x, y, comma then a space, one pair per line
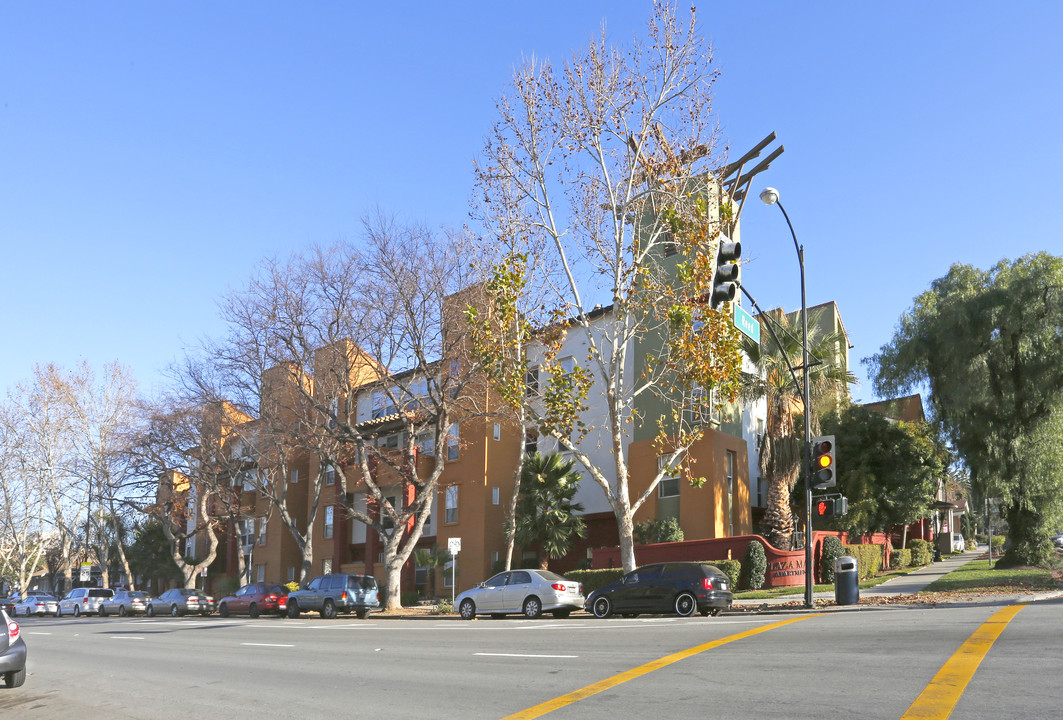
353, 358
598, 174
24, 529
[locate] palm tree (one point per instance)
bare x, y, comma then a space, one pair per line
546, 516
430, 559
781, 451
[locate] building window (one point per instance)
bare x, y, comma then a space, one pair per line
247, 534
262, 531
260, 573
448, 574
730, 492
498, 431
495, 495
426, 444
567, 364
531, 441
326, 566
330, 475
383, 405
330, 514
450, 512
190, 547
452, 442
291, 573
295, 475
531, 382
385, 519
420, 575
669, 485
701, 407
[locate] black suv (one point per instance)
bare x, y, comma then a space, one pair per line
673, 587
335, 593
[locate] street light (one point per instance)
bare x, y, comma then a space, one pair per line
770, 196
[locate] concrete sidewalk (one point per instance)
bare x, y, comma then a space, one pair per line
910, 584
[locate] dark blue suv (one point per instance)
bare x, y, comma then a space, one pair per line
672, 587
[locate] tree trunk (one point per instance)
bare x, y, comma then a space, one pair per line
778, 517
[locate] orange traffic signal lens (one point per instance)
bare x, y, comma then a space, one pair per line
823, 461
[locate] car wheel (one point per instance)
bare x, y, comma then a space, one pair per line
101, 612
293, 609
467, 609
122, 611
174, 612
685, 604
363, 613
150, 612
59, 612
223, 610
15, 678
602, 608
533, 607
77, 611
561, 613
252, 610
328, 610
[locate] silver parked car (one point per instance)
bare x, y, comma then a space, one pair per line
36, 603
125, 602
82, 601
530, 592
181, 601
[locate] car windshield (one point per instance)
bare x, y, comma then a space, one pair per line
104, 592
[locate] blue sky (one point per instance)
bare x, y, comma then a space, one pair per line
152, 153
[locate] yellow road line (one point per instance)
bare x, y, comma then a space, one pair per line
610, 682
939, 698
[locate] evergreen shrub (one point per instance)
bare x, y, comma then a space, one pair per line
868, 559
754, 566
901, 558
832, 550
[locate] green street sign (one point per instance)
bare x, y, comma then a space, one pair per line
746, 323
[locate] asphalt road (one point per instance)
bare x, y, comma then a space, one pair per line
867, 663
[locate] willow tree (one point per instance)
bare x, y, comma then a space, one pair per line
604, 177
989, 343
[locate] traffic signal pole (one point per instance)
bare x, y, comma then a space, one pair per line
770, 196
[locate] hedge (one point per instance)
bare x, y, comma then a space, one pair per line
920, 552
731, 568
594, 579
900, 558
868, 558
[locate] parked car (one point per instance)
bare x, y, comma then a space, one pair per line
958, 543
125, 602
336, 593
254, 599
36, 603
682, 588
7, 604
181, 601
12, 653
82, 601
530, 592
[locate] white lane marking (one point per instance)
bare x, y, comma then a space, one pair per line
125, 637
266, 645
524, 656
38, 633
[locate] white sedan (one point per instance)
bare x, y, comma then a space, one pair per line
529, 592
36, 603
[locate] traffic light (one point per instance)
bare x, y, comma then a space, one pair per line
823, 472
728, 273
